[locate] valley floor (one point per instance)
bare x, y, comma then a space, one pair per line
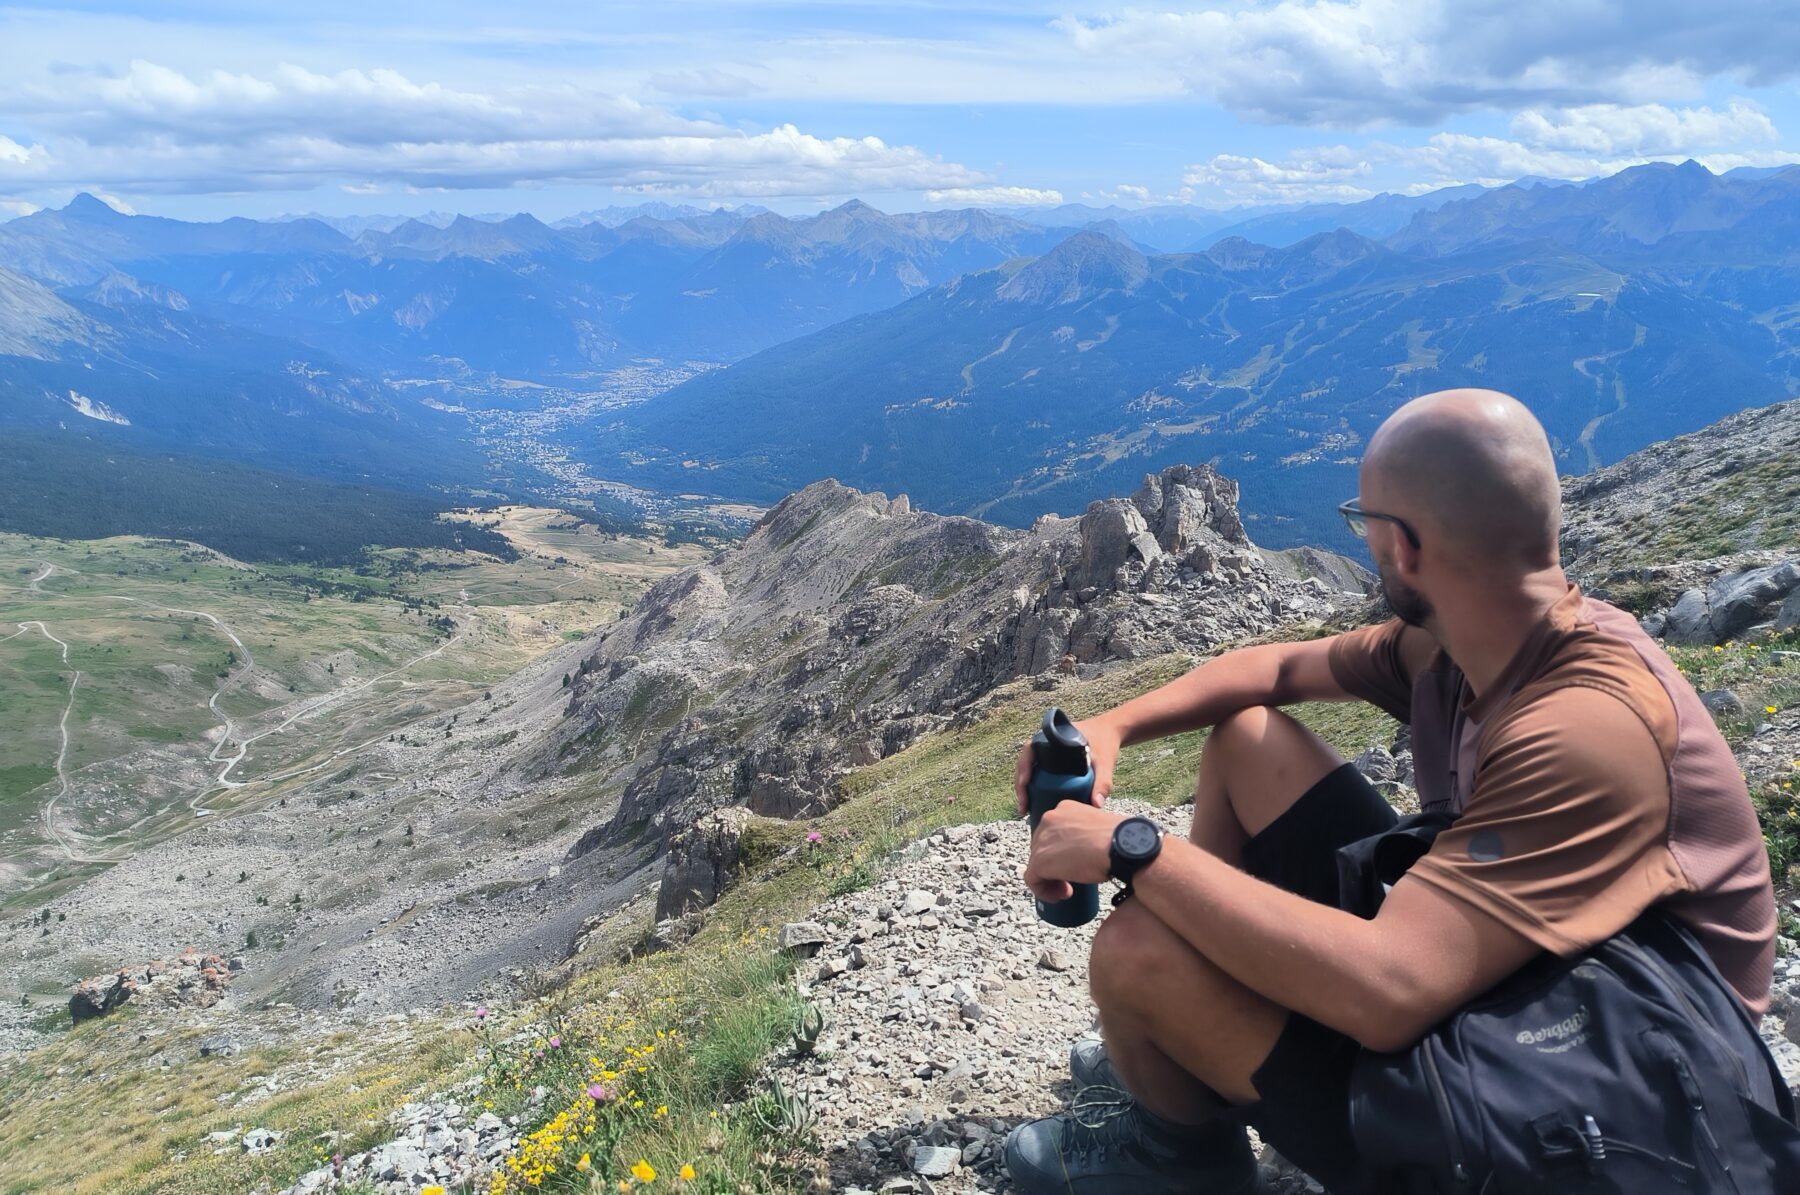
150, 686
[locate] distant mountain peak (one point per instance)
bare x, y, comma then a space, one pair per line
86, 206
1085, 264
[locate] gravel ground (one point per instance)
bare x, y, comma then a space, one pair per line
949, 1012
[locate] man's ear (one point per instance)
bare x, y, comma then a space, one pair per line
1406, 557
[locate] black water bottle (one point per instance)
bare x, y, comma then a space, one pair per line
1061, 771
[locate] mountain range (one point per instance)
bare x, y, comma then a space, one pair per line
990, 362
1625, 311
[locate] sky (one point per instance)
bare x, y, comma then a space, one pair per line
202, 109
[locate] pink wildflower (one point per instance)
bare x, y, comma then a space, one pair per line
599, 1093
814, 836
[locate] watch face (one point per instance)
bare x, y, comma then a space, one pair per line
1137, 838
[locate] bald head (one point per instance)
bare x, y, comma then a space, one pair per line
1474, 468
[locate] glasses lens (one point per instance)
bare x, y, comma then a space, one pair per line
1359, 526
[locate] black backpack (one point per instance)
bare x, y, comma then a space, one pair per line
1632, 1069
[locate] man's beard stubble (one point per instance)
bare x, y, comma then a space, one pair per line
1407, 603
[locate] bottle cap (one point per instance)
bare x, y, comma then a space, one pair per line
1059, 748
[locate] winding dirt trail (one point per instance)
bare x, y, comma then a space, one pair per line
231, 748
318, 703
212, 703
228, 733
62, 752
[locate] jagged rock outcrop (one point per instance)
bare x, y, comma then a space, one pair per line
700, 862
847, 625
192, 980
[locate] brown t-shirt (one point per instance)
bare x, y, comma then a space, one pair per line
1590, 783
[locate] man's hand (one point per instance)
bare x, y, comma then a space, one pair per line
1072, 845
1103, 753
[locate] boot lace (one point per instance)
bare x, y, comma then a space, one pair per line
1102, 1118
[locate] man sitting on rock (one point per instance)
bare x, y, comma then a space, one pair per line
1589, 784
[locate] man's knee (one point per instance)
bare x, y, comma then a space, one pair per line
1247, 731
1131, 946
1262, 760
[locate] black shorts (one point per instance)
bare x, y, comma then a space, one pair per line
1304, 1083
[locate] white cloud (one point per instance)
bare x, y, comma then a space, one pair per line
157, 130
1568, 143
1324, 177
1128, 191
11, 208
1610, 130
1357, 63
995, 196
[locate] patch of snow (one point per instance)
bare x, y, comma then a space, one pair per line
96, 410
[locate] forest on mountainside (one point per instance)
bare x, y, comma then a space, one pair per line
77, 489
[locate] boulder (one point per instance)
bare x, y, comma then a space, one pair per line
1377, 765
1734, 603
802, 937
100, 995
1722, 701
1688, 621
1742, 600
935, 1161
1108, 533
192, 980
261, 1141
1788, 617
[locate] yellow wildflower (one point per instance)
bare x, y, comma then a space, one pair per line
432, 1190
687, 1172
662, 1109
644, 1172
1770, 709
584, 1163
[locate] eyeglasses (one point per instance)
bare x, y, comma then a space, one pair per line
1358, 519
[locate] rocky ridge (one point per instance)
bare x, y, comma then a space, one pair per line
847, 626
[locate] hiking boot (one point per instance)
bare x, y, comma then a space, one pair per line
1107, 1145
1089, 1066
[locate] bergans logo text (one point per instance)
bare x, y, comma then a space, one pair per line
1562, 1035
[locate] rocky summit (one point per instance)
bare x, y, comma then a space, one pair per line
848, 625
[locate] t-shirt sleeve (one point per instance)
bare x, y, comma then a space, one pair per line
1565, 836
1368, 664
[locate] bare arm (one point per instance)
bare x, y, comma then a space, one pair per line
1272, 674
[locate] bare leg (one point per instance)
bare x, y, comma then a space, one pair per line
1180, 1032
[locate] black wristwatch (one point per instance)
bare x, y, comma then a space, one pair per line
1135, 842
